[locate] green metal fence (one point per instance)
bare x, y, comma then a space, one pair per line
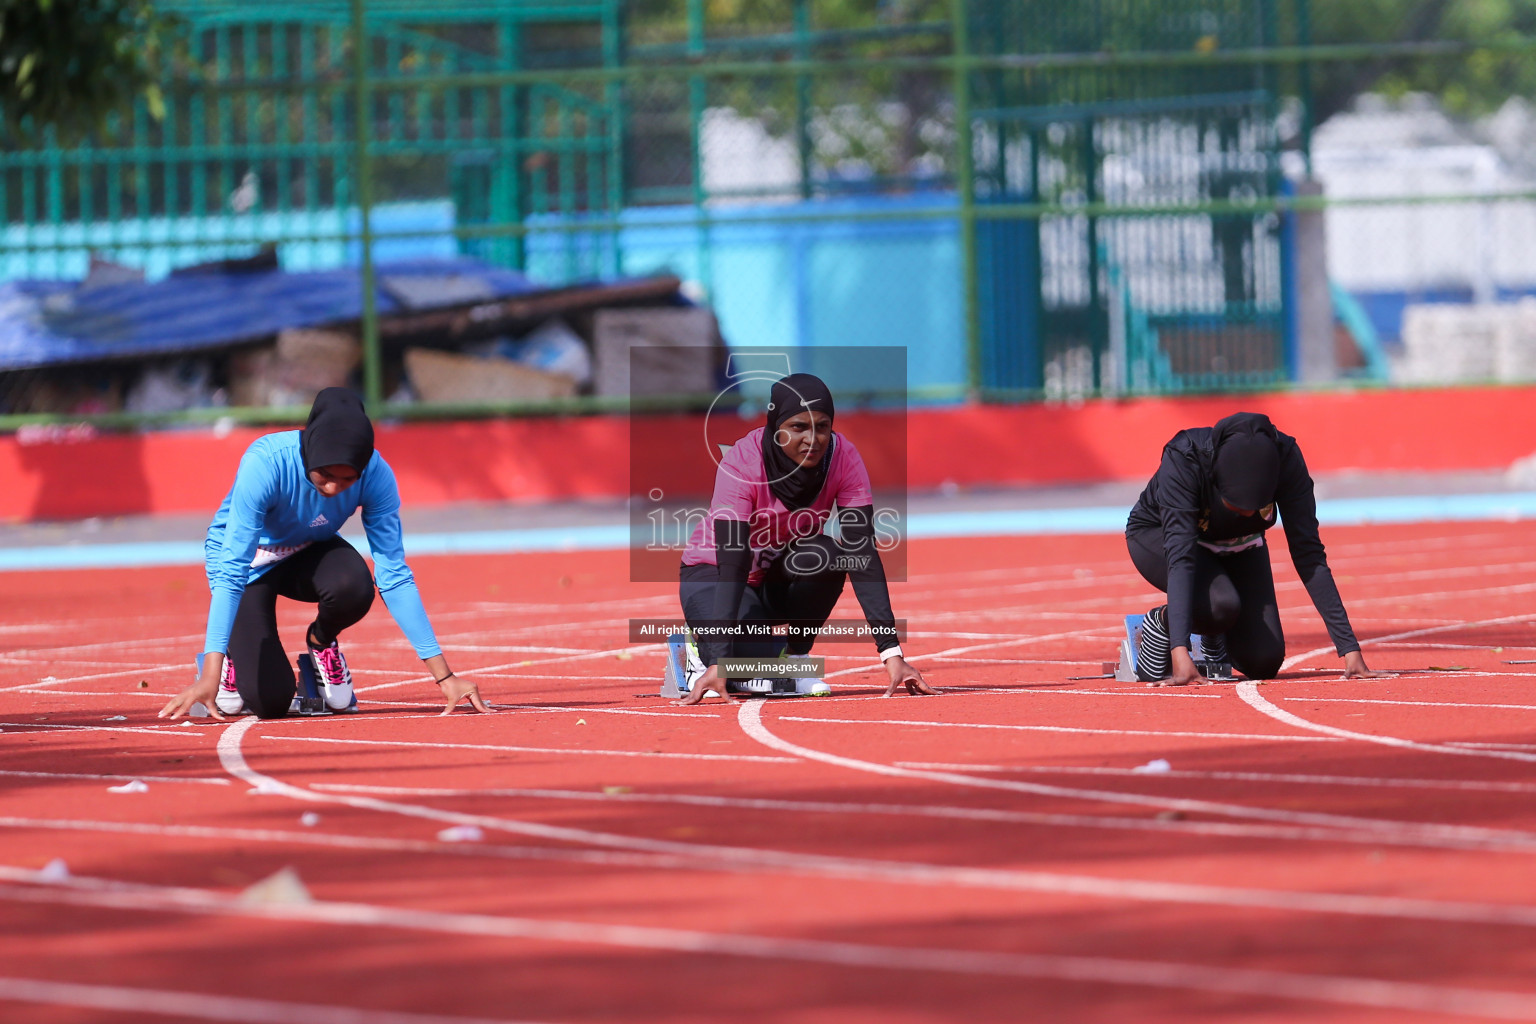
1053, 200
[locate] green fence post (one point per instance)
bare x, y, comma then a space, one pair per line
697, 98
1304, 39
373, 372
803, 143
614, 56
970, 295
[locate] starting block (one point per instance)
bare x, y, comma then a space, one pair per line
674, 679
1125, 668
308, 701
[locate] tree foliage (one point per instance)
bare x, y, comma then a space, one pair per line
1465, 85
66, 64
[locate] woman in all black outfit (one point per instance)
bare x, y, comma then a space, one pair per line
1197, 533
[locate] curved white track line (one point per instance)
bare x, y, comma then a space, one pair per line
1057, 728
734, 858
1448, 627
1249, 692
571, 751
1138, 824
750, 718
820, 953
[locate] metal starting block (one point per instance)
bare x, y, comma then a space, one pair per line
308, 701
674, 679
1125, 668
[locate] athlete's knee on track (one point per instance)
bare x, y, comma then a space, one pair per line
270, 708
1263, 663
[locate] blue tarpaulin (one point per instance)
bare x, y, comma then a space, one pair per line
52, 323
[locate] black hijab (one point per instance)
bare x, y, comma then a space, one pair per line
793, 484
1247, 465
338, 432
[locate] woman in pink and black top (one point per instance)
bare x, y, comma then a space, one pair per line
760, 555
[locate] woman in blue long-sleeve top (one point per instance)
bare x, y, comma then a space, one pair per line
275, 536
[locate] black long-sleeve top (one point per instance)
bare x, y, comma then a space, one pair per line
1182, 499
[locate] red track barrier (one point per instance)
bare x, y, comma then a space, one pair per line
72, 474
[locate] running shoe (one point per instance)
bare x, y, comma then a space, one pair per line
228, 699
693, 664
810, 686
1154, 660
334, 677
1214, 661
761, 685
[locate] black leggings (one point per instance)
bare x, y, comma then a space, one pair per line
1234, 595
329, 573
784, 596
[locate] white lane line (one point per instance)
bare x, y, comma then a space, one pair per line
1447, 627
751, 860
750, 718
1056, 728
204, 1006
1320, 780
145, 670
1412, 703
506, 709
1310, 988
634, 649
748, 758
313, 837
1490, 648
1161, 692
494, 670
1211, 828
116, 645
925, 658
650, 680
459, 647
88, 775
142, 730
31, 686
1074, 662
1251, 696
1492, 746
96, 693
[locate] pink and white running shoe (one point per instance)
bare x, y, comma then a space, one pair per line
228, 698
335, 678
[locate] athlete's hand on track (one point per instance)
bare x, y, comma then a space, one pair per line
709, 682
1184, 670
901, 674
456, 689
200, 691
1355, 668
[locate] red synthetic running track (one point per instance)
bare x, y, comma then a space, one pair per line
1322, 849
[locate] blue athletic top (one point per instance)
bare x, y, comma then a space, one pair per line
272, 510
